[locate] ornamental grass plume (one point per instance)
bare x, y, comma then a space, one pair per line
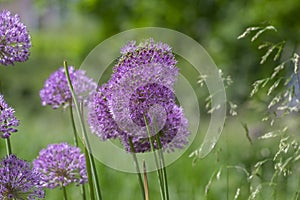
8, 121
56, 91
18, 180
147, 52
140, 96
60, 165
14, 39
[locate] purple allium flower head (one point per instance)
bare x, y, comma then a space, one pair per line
8, 121
56, 90
18, 180
141, 87
61, 164
14, 39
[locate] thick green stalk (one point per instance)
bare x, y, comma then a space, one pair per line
76, 144
137, 167
159, 171
96, 179
84, 132
73, 126
65, 193
8, 146
146, 185
90, 175
162, 160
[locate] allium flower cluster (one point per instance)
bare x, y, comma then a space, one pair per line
18, 180
56, 90
60, 165
8, 121
14, 39
140, 90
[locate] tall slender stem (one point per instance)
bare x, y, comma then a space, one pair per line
162, 160
137, 167
95, 176
85, 138
146, 185
8, 146
65, 193
90, 175
159, 171
76, 144
73, 126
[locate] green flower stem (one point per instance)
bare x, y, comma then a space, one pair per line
96, 179
159, 171
8, 146
85, 138
162, 160
137, 168
92, 161
76, 144
65, 193
90, 176
146, 185
73, 126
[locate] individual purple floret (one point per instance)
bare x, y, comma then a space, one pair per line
56, 90
61, 164
14, 39
8, 121
18, 180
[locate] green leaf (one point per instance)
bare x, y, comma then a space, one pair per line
245, 126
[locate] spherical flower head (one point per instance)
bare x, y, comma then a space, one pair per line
8, 121
14, 39
18, 180
61, 165
56, 91
100, 118
138, 102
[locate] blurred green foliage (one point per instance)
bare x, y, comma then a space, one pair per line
215, 24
